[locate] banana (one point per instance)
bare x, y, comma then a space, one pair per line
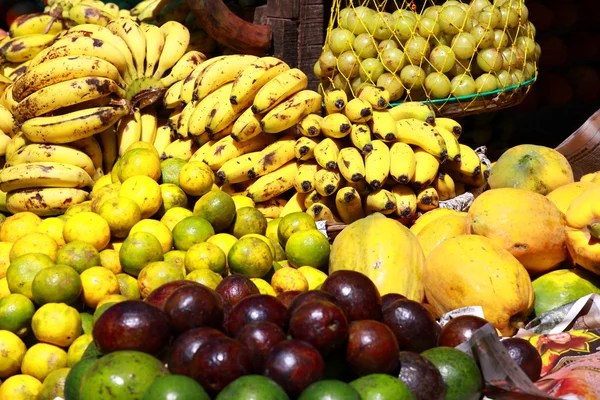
183, 67
189, 83
246, 126
162, 138
175, 118
204, 149
327, 153
310, 126
274, 156
384, 126
427, 199
4, 141
183, 123
313, 197
360, 136
82, 13
111, 9
406, 201
449, 124
321, 212
7, 121
380, 200
254, 77
44, 174
15, 143
227, 149
304, 181
327, 182
358, 111
155, 42
349, 205
304, 149
378, 97
65, 94
469, 164
415, 110
26, 47
149, 124
402, 162
336, 126
28, 24
426, 168
271, 208
236, 170
273, 184
6, 100
335, 100
423, 135
287, 114
221, 72
91, 147
444, 186
351, 164
110, 148
148, 9
377, 165
469, 180
72, 126
294, 204
129, 131
180, 148
172, 98
220, 115
134, 37
278, 89
33, 153
197, 123
18, 72
452, 146
44, 202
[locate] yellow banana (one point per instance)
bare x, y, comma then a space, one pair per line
43, 174
469, 164
129, 131
155, 42
380, 200
221, 72
7, 121
351, 164
254, 77
460, 188
44, 202
304, 149
304, 181
163, 137
294, 204
33, 153
414, 109
188, 84
183, 67
335, 100
271, 208
310, 126
180, 148
313, 197
358, 111
183, 125
273, 184
227, 149
384, 126
204, 149
322, 212
134, 37
149, 124
449, 124
278, 89
4, 141
378, 97
327, 182
110, 148
402, 162
26, 47
91, 147
377, 165
6, 100
82, 13
423, 135
360, 136
220, 115
246, 126
336, 126
444, 185
172, 98
426, 168
17, 72
16, 142
287, 114
197, 123
452, 146
406, 201
427, 199
349, 205
327, 153
236, 170
274, 156
111, 9
28, 24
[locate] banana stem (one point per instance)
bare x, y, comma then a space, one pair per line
594, 230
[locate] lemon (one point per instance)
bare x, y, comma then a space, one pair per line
143, 145
77, 208
111, 298
4, 257
314, 277
145, 192
248, 220
56, 323
79, 255
53, 227
19, 225
263, 286
128, 286
4, 291
224, 241
88, 227
174, 215
308, 247
12, 350
116, 245
292, 223
241, 201
190, 231
20, 387
158, 229
114, 172
104, 194
34, 243
206, 277
22, 271
121, 214
98, 282
264, 239
288, 279
172, 196
176, 258
170, 169
156, 274
109, 259
43, 358
196, 178
205, 256
216, 207
57, 284
138, 250
139, 162
77, 348
250, 257
53, 386
104, 180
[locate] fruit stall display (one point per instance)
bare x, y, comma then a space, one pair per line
180, 220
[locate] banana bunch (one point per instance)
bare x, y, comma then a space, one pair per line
77, 12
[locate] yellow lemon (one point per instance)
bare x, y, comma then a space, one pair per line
114, 173
288, 279
77, 348
4, 257
121, 214
156, 274
225, 241
53, 386
206, 277
56, 323
12, 350
22, 270
263, 286
116, 245
241, 201
128, 286
43, 358
88, 227
77, 208
104, 194
139, 162
292, 223
20, 387
205, 256
177, 258
4, 291
109, 259
98, 282
158, 229
53, 227
57, 284
34, 243
142, 145
314, 276
264, 239
196, 178
111, 298
174, 215
104, 180
145, 192
18, 225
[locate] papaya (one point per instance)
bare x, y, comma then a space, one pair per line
564, 195
527, 166
442, 228
471, 270
525, 223
432, 215
384, 250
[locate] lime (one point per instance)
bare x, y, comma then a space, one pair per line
56, 284
20, 387
53, 227
459, 372
138, 250
18, 225
77, 208
128, 286
177, 258
100, 310
250, 387
121, 214
43, 358
287, 280
248, 220
5, 257
53, 386
216, 207
104, 194
205, 256
263, 286
292, 223
381, 387
156, 274
16, 311
22, 271
176, 387
158, 229
308, 248
250, 257
77, 348
170, 168
315, 277
97, 282
109, 258
242, 201
145, 192
143, 145
172, 196
174, 215
563, 286
79, 255
329, 389
224, 241
190, 231
139, 161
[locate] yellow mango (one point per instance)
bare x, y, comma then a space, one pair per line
443, 228
564, 195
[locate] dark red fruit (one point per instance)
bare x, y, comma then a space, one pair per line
320, 323
260, 337
389, 298
525, 355
459, 330
259, 307
286, 298
355, 293
413, 325
372, 348
194, 306
308, 296
132, 325
185, 346
219, 362
158, 296
421, 376
235, 287
294, 365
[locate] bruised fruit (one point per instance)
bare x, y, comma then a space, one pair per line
355, 293
372, 348
185, 346
459, 330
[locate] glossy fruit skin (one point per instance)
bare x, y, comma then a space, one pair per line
175, 387
158, 296
525, 355
185, 346
389, 298
372, 348
294, 365
220, 361
194, 306
260, 337
413, 325
235, 287
252, 387
459, 330
421, 376
260, 307
286, 298
132, 325
355, 293
320, 323
308, 296
329, 389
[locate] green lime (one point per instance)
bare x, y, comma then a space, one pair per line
156, 274
57, 284
381, 387
79, 255
16, 311
292, 223
250, 257
329, 389
172, 196
175, 387
216, 207
170, 168
248, 220
206, 256
22, 270
177, 258
252, 387
459, 372
563, 286
308, 248
190, 231
139, 249
128, 286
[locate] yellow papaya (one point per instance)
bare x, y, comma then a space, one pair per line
443, 228
523, 222
471, 270
590, 177
583, 231
564, 195
384, 250
432, 215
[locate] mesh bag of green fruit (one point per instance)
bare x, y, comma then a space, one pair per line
461, 57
